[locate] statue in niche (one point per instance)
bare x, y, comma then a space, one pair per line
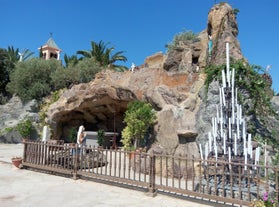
209, 45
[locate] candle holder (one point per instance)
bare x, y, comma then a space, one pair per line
228, 140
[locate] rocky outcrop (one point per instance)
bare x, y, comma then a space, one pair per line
206, 110
97, 104
172, 84
192, 56
275, 103
13, 113
189, 56
154, 61
222, 27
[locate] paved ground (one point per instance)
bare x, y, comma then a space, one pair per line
26, 188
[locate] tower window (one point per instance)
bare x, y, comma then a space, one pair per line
52, 55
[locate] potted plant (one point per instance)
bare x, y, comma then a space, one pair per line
138, 117
17, 161
131, 152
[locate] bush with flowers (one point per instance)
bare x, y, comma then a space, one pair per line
266, 201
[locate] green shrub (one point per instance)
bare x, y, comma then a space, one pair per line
55, 96
182, 37
6, 130
100, 137
235, 11
82, 72
247, 78
37, 78
87, 69
64, 78
32, 79
138, 117
127, 138
25, 128
72, 135
254, 93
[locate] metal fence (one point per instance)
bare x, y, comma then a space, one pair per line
232, 183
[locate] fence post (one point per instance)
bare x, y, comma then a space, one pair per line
75, 162
24, 150
152, 171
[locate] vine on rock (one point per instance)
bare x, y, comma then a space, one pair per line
254, 94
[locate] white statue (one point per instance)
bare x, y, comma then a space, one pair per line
267, 68
133, 67
20, 56
46, 134
81, 129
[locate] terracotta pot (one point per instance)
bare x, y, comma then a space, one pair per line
17, 162
72, 144
131, 155
24, 140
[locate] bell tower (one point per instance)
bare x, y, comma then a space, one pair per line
50, 50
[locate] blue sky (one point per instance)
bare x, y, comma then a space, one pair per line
138, 27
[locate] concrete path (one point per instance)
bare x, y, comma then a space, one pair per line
26, 188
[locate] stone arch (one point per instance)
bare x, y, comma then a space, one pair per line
104, 113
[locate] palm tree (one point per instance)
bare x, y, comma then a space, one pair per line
8, 59
4, 73
102, 55
26, 54
14, 54
70, 60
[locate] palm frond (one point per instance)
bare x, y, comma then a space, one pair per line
102, 54
84, 53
